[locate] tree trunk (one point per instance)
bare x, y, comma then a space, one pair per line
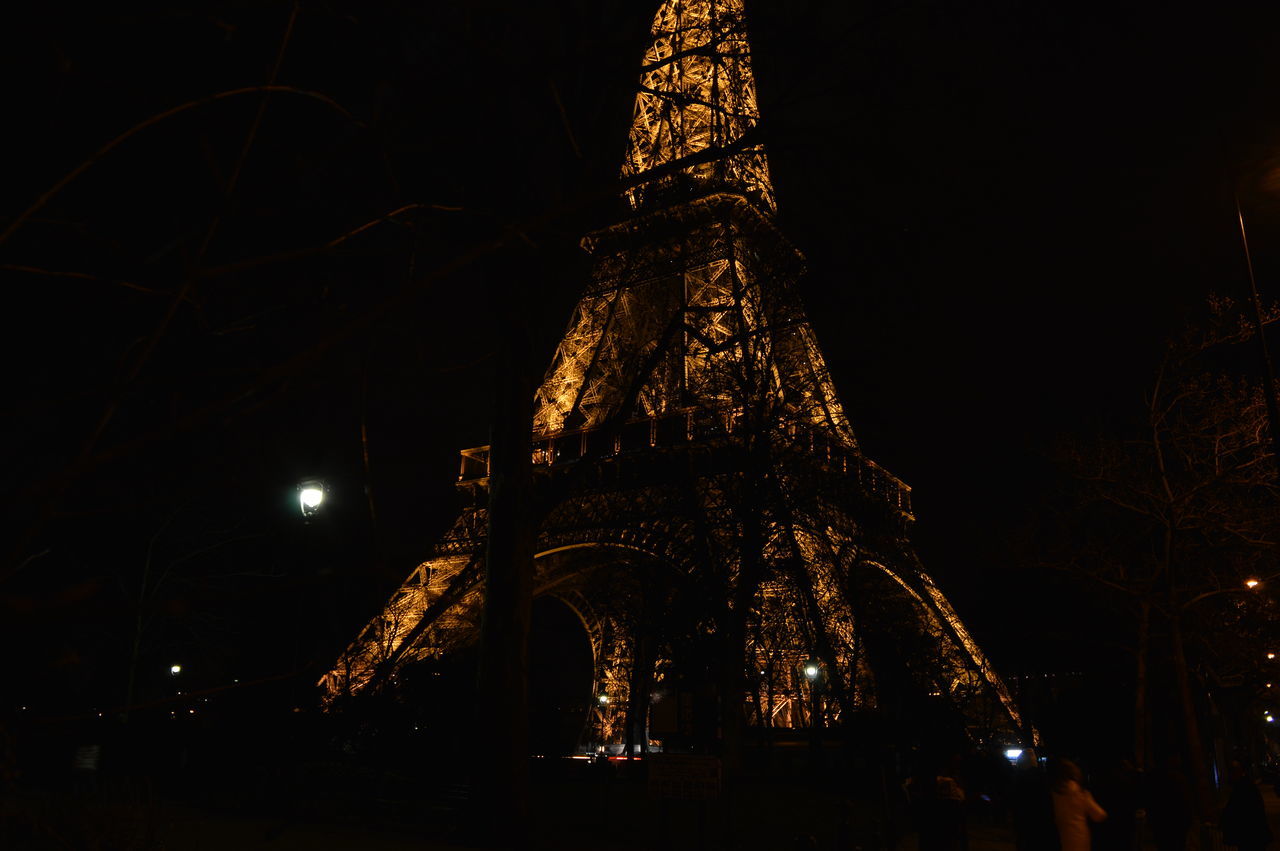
733, 682
501, 782
1191, 723
1140, 724
640, 688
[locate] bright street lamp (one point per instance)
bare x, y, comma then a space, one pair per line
310, 496
175, 670
1251, 583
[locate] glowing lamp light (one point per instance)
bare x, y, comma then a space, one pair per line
1251, 583
604, 698
1012, 754
1271, 656
175, 669
1271, 719
811, 671
311, 493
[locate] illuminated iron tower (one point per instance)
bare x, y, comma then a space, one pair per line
700, 490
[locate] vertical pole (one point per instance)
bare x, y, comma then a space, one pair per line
1269, 372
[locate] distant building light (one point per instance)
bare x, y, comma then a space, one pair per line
1012, 754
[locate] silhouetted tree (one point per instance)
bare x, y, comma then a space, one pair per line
1174, 516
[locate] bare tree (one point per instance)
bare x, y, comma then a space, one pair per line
1177, 519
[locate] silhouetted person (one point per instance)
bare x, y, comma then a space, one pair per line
937, 803
1117, 791
1073, 806
1244, 818
1170, 806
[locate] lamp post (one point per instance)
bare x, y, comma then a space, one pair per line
1269, 372
602, 704
812, 670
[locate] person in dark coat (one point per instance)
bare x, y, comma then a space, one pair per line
937, 805
1170, 806
1118, 792
1032, 806
1244, 819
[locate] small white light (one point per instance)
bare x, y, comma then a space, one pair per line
1012, 754
811, 671
604, 698
1271, 719
1271, 655
175, 669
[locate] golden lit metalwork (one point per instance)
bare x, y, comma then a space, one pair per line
697, 96
689, 447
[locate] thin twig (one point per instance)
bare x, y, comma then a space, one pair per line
156, 119
83, 276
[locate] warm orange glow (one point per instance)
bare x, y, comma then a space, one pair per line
697, 91
1251, 583
687, 339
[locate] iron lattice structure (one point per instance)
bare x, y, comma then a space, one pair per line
694, 469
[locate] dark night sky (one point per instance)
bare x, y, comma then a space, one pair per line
1006, 207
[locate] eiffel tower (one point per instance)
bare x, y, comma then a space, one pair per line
695, 474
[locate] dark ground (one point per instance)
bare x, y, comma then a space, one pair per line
568, 814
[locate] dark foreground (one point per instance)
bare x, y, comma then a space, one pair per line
585, 807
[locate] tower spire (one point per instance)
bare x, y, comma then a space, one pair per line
697, 94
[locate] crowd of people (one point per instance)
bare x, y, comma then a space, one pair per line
1054, 807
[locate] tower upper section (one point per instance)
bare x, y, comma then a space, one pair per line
697, 96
